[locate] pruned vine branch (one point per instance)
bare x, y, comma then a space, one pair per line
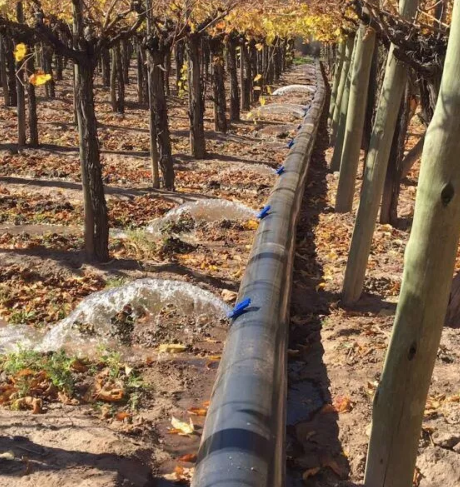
419, 45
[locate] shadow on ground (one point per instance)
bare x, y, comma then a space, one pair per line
314, 451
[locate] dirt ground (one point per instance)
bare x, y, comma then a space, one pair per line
79, 439
337, 352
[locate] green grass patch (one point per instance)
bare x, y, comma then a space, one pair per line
298, 61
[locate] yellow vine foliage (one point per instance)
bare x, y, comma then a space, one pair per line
20, 52
39, 78
98, 13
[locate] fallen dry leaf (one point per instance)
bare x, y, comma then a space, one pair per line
112, 395
37, 406
78, 366
181, 428
251, 225
122, 415
417, 477
189, 458
229, 296
343, 404
6, 392
180, 474
320, 286
108, 392
197, 411
34, 403
25, 373
171, 348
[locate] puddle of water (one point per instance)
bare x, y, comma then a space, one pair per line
261, 169
304, 399
298, 111
204, 211
92, 323
286, 90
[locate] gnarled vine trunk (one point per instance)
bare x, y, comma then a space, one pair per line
233, 74
160, 109
179, 61
32, 107
4, 72
196, 99
244, 77
96, 220
20, 92
218, 84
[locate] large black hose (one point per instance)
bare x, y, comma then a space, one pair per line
243, 441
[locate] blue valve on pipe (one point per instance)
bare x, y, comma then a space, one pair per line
239, 308
264, 212
290, 143
280, 170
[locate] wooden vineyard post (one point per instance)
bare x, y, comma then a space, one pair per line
376, 165
356, 114
429, 265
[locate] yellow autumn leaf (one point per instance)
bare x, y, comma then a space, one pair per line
251, 225
171, 348
39, 78
20, 52
182, 428
257, 77
259, 46
262, 101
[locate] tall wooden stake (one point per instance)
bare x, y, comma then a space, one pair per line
429, 264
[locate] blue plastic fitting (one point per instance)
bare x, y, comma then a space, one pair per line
264, 212
239, 308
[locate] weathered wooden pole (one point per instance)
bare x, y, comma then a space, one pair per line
376, 165
429, 265
337, 74
356, 114
349, 43
340, 132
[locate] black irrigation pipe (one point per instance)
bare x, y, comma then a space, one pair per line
243, 442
